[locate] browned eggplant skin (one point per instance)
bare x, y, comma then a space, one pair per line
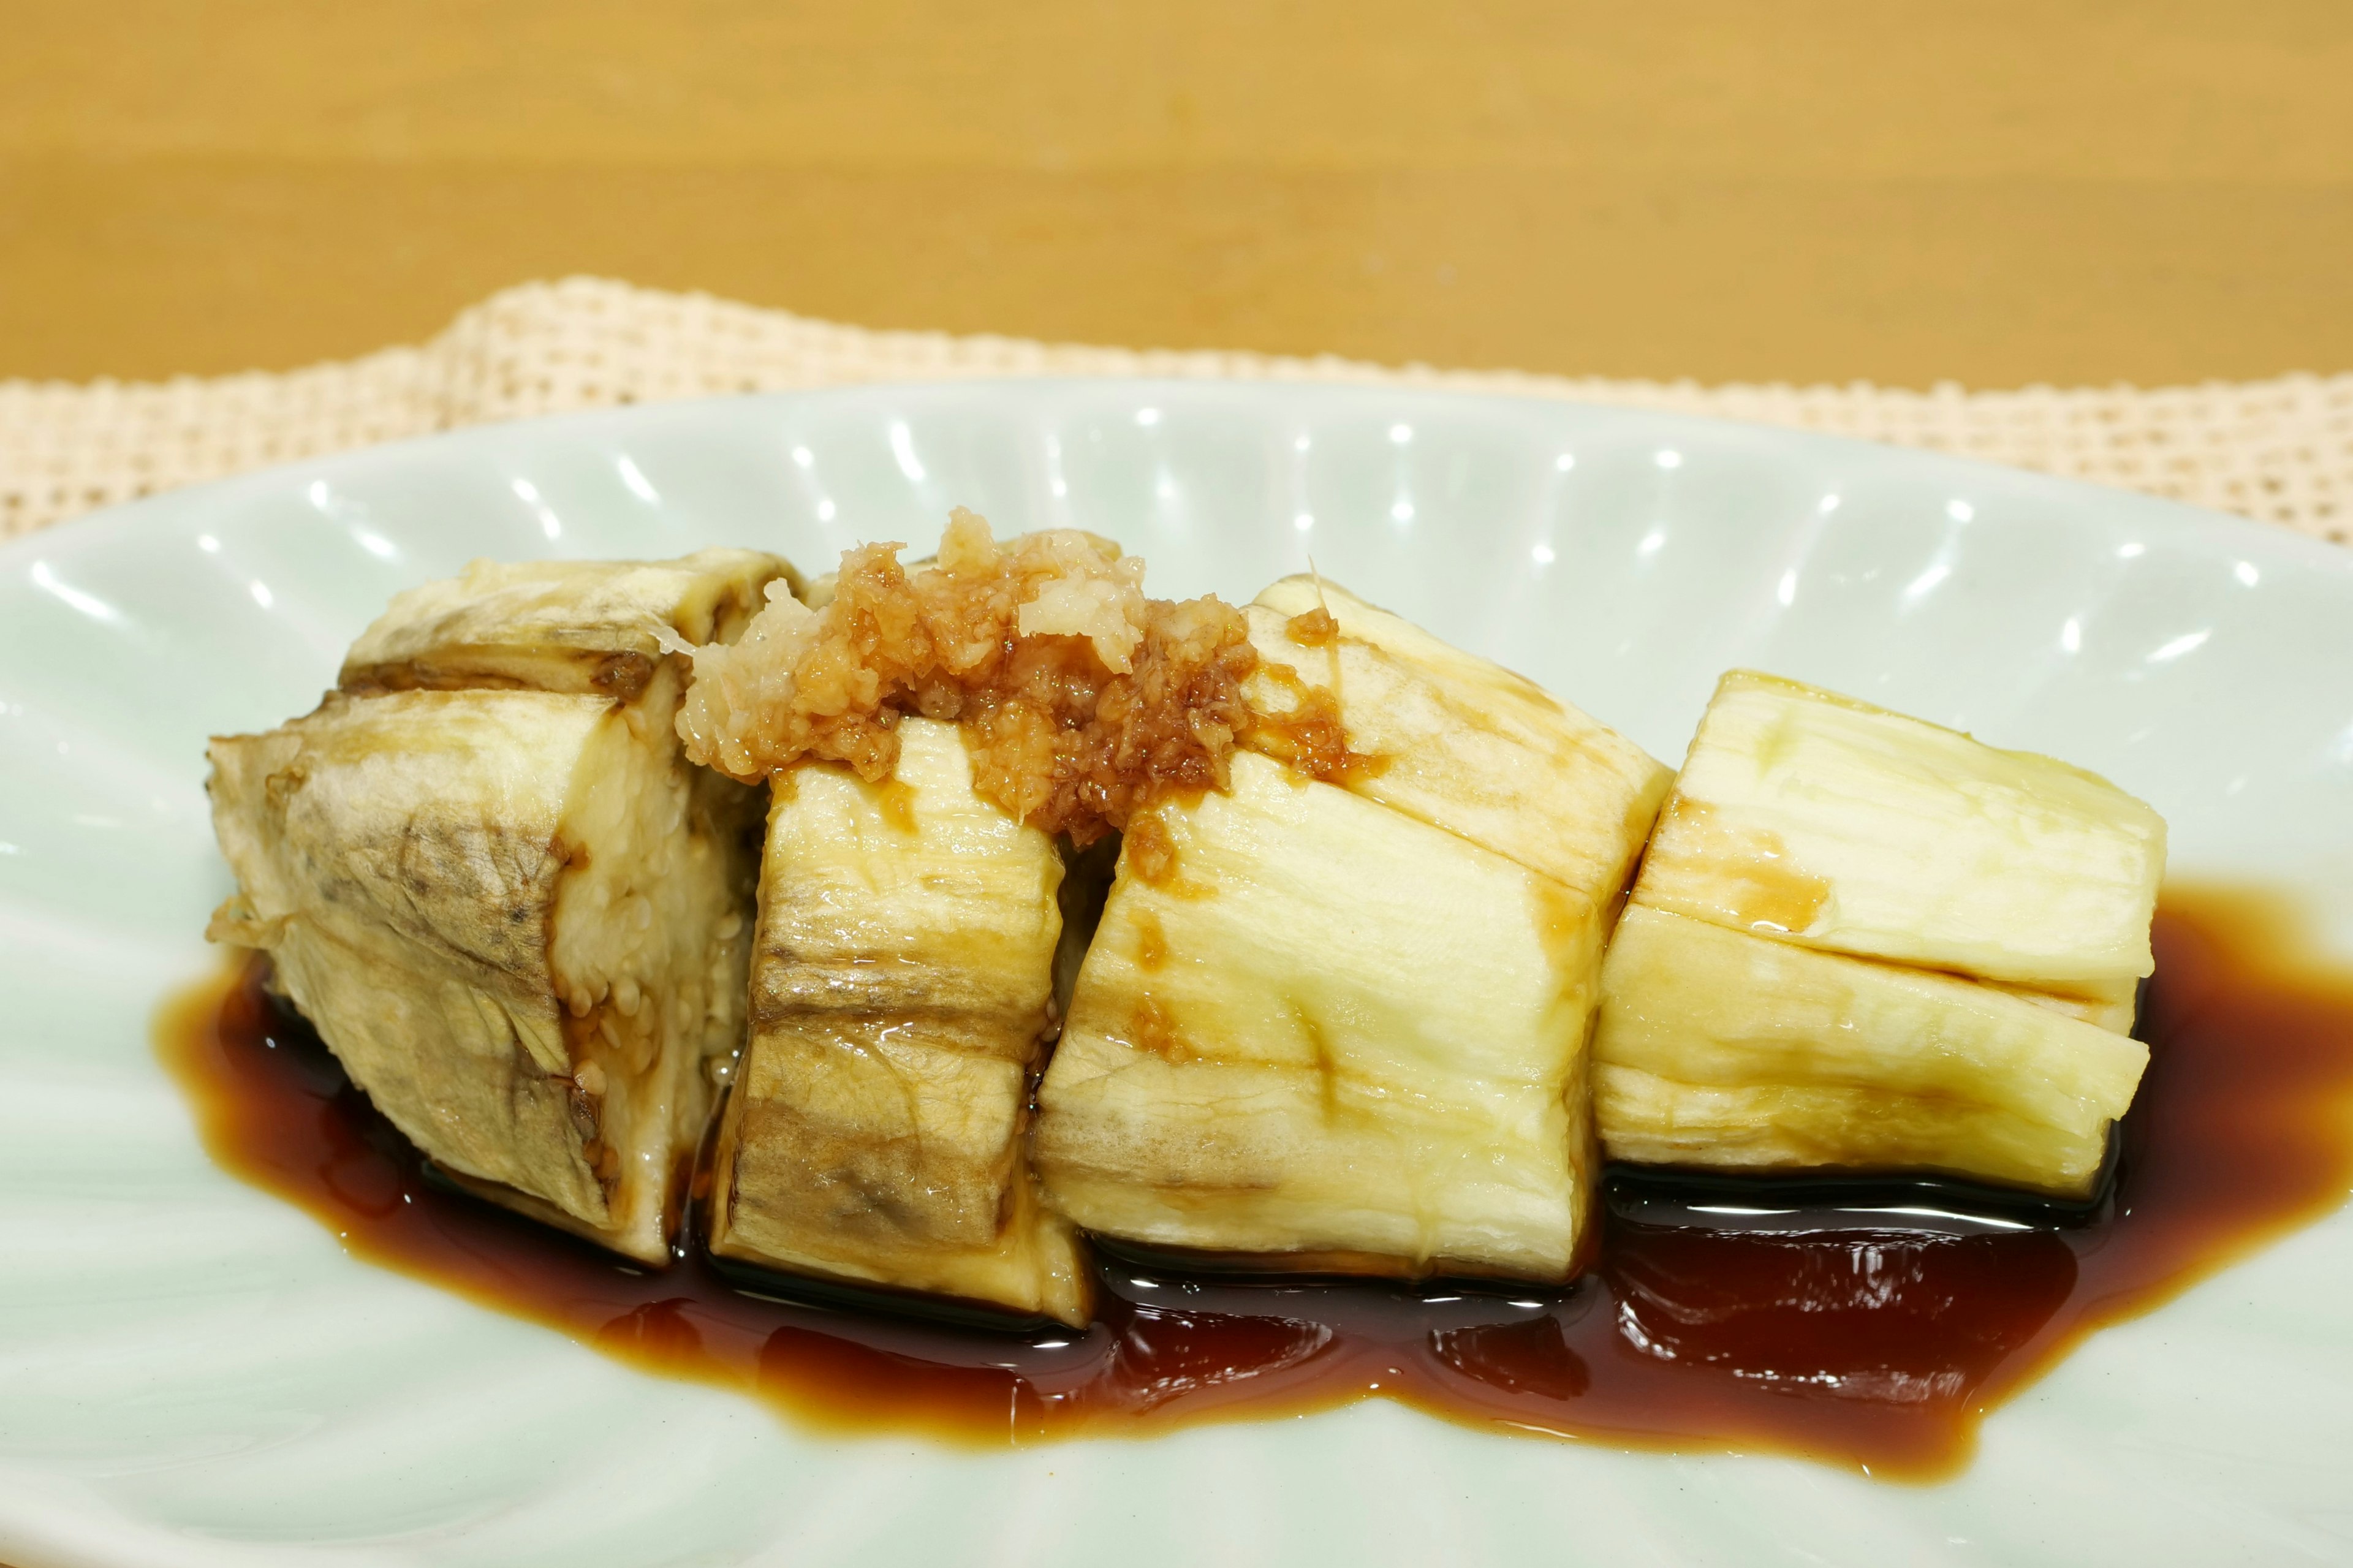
485, 872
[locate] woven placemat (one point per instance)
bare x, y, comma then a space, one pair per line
2280, 450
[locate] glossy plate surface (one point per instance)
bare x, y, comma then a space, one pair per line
194, 1373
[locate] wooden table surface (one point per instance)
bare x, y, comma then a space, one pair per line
1994, 191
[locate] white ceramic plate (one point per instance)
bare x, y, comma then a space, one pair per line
192, 1372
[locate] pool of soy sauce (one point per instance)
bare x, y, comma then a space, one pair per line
1861, 1324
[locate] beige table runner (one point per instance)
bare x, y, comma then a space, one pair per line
2280, 450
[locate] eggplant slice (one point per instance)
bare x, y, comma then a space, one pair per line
877, 1132
484, 871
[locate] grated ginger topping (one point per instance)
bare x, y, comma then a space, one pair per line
1081, 701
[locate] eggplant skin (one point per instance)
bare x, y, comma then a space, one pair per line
398, 859
590, 627
486, 873
877, 1132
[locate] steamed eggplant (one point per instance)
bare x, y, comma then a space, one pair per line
1360, 998
1861, 942
484, 872
901, 987
1450, 739
1335, 1016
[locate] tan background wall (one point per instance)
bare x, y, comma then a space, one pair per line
1997, 191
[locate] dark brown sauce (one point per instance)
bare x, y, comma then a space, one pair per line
1826, 1323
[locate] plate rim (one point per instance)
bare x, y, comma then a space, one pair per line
88, 530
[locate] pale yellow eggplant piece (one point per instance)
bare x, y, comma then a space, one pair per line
1329, 1035
1456, 740
1815, 818
1717, 1048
